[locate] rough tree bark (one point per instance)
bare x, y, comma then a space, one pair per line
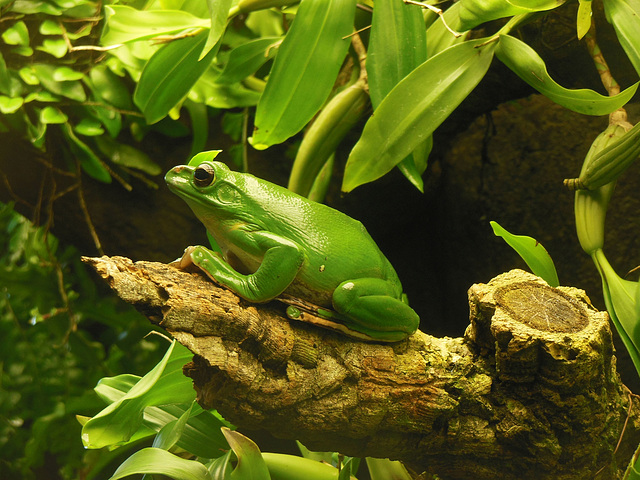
530, 391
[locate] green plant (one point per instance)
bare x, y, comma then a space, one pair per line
58, 336
188, 442
414, 68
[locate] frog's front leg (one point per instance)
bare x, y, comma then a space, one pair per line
371, 306
281, 260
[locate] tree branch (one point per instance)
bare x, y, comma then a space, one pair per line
530, 391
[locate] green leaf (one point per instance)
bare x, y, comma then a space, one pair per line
398, 44
383, 469
620, 299
109, 87
281, 466
125, 24
89, 161
10, 105
250, 462
245, 59
127, 156
528, 65
50, 115
162, 385
49, 27
89, 127
70, 89
56, 47
583, 20
414, 109
476, 12
219, 11
157, 461
532, 252
624, 15
16, 34
172, 431
63, 74
169, 75
201, 436
304, 70
208, 91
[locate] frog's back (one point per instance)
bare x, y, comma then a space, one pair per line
337, 247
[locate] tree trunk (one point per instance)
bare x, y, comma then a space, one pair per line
530, 391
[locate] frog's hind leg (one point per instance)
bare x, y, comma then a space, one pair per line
372, 306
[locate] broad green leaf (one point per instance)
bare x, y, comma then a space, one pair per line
89, 161
127, 156
624, 15
201, 436
245, 59
410, 113
169, 75
217, 95
108, 86
157, 461
49, 27
397, 45
305, 69
281, 466
28, 76
125, 24
476, 12
250, 462
199, 118
169, 435
89, 127
63, 74
528, 65
633, 469
10, 105
162, 385
620, 299
56, 47
71, 89
384, 469
583, 20
219, 11
50, 115
532, 252
16, 34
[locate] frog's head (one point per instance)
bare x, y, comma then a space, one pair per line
209, 188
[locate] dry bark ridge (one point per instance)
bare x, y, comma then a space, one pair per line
530, 391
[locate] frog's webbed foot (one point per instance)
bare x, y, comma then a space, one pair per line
308, 312
186, 261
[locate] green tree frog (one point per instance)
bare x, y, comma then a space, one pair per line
275, 244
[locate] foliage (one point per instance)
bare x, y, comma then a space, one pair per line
53, 85
58, 336
416, 71
189, 443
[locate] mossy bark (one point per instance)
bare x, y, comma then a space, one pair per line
530, 391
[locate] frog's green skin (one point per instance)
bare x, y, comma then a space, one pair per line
274, 241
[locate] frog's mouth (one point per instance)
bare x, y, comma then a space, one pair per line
176, 181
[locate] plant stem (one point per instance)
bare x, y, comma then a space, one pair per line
610, 84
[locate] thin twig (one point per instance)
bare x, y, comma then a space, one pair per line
85, 212
437, 11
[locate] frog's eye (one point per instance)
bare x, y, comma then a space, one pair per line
204, 175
